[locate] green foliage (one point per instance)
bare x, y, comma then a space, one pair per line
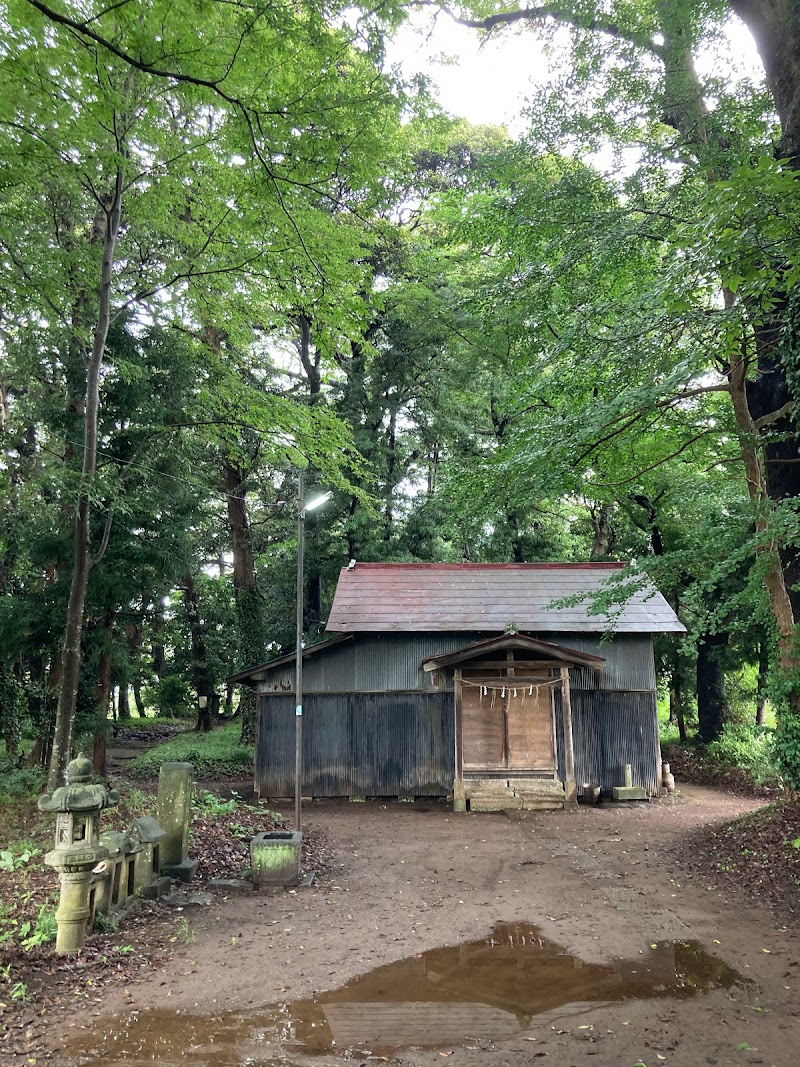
17, 855
207, 803
172, 697
184, 934
16, 781
787, 748
41, 930
751, 749
218, 754
106, 924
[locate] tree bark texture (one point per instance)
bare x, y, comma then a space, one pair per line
102, 698
713, 708
199, 661
248, 600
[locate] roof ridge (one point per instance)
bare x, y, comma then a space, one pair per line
466, 565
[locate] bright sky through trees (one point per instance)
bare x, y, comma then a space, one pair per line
488, 82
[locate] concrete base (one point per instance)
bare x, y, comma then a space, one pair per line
182, 899
159, 887
230, 885
628, 792
183, 871
510, 794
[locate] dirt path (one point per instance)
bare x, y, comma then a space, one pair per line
601, 883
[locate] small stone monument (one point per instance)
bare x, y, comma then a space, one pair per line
275, 858
628, 791
173, 812
667, 779
77, 849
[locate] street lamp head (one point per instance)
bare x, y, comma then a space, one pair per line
317, 501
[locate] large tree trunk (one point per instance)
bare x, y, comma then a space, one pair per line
776, 31
603, 533
713, 708
102, 697
199, 661
249, 606
82, 562
124, 704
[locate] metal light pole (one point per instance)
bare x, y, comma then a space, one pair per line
302, 508
298, 661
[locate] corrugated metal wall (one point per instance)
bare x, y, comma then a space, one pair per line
370, 663
377, 744
379, 663
610, 730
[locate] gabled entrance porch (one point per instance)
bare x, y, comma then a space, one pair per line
509, 733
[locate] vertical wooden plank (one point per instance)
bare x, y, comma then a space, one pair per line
459, 800
531, 737
570, 788
482, 729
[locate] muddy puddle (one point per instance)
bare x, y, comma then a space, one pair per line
469, 994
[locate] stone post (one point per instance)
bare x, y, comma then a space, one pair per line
173, 811
73, 912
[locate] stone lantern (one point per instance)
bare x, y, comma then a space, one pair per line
78, 849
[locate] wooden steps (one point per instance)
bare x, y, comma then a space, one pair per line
528, 794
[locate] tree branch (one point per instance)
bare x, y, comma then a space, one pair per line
539, 14
664, 459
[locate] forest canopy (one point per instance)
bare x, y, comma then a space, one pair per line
238, 243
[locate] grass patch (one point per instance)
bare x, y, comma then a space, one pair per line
219, 754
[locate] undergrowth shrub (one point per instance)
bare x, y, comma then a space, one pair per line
17, 781
748, 747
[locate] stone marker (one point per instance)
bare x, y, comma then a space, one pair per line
173, 811
275, 858
629, 791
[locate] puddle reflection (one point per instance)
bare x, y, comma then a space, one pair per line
486, 990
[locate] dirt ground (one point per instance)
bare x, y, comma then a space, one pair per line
602, 883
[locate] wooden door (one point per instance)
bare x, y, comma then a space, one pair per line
483, 741
531, 744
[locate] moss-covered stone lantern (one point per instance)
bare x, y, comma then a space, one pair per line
78, 850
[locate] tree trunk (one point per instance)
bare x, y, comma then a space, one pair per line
159, 655
249, 605
776, 31
102, 697
713, 709
81, 540
676, 706
123, 705
603, 534
761, 686
199, 662
137, 698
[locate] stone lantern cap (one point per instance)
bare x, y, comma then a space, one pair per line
147, 830
80, 793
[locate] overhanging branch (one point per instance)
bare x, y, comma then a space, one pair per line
541, 13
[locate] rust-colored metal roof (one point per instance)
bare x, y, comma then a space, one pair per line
417, 597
